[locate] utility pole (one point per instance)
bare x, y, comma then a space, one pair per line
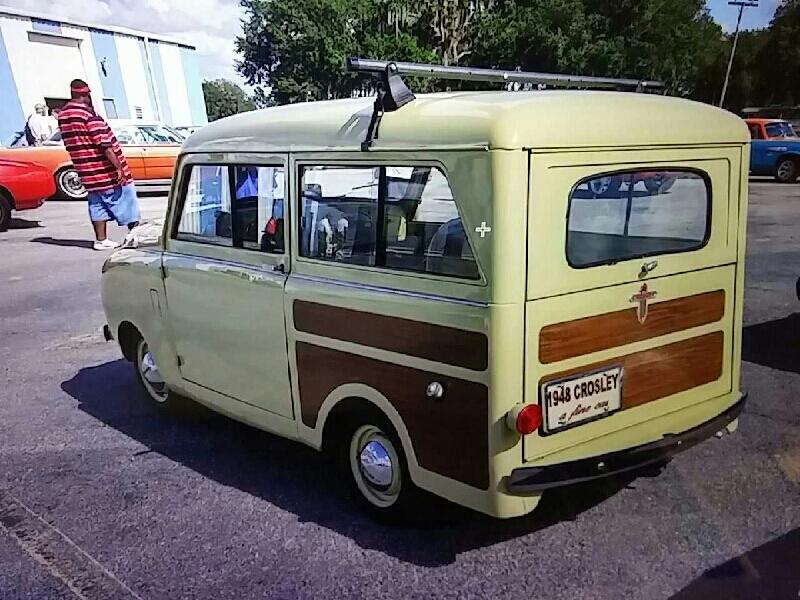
741, 4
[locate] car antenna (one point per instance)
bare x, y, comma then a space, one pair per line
393, 93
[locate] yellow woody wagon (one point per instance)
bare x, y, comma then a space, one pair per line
485, 295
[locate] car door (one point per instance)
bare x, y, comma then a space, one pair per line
225, 269
160, 153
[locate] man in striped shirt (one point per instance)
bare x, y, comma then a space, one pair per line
100, 164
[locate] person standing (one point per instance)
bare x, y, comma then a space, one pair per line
39, 126
100, 164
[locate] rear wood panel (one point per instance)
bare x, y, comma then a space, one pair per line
449, 436
592, 334
448, 345
663, 371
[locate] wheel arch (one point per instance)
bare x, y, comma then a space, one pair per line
6, 193
128, 335
354, 400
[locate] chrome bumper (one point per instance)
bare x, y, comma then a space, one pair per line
530, 480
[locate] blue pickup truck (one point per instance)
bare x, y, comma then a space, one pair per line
775, 150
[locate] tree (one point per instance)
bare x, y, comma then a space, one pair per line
779, 58
649, 39
224, 98
299, 48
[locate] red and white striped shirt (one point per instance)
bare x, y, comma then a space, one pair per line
86, 137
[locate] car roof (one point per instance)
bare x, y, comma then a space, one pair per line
127, 122
501, 120
763, 121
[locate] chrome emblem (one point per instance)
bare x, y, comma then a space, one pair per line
641, 299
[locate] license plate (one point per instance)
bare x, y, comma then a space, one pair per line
582, 397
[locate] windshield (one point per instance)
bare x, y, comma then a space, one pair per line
146, 134
780, 129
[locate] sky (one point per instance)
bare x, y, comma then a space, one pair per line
212, 25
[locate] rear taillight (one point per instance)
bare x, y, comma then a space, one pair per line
525, 419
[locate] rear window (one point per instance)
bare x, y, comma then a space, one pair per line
626, 215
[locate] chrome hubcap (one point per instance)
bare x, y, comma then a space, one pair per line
151, 376
72, 183
376, 464
784, 169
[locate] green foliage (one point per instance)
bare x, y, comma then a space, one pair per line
779, 57
297, 49
224, 98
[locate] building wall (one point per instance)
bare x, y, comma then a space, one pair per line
38, 59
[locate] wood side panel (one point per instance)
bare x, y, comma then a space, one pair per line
449, 436
561, 341
446, 345
663, 371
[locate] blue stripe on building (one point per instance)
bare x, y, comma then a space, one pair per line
111, 78
194, 87
149, 75
45, 26
12, 118
161, 83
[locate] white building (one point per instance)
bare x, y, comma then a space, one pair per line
133, 75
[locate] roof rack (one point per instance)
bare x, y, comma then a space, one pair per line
366, 65
393, 92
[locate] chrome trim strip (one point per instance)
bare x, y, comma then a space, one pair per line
389, 290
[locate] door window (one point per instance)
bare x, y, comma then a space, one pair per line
235, 205
622, 216
402, 218
206, 212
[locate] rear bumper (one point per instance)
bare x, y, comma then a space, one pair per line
530, 480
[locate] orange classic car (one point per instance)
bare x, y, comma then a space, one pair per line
151, 149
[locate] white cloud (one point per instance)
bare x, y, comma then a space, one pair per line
209, 25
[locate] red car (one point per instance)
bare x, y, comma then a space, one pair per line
23, 186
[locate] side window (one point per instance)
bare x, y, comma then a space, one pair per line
424, 232
338, 213
622, 216
259, 198
206, 213
402, 218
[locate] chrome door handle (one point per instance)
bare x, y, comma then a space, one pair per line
648, 268
279, 268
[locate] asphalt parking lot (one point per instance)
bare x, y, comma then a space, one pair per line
100, 497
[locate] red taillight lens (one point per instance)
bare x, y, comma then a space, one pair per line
529, 419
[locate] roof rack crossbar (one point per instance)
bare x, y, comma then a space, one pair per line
367, 65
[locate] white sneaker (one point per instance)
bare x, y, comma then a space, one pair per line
105, 244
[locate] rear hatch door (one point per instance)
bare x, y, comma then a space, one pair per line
630, 297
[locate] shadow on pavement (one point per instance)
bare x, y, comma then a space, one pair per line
301, 481
60, 242
769, 572
17, 223
774, 344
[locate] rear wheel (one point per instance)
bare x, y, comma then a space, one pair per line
69, 184
5, 212
787, 171
378, 469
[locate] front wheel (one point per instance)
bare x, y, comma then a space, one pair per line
787, 171
69, 184
379, 471
149, 376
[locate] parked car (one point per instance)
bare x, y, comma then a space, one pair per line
151, 149
454, 310
23, 186
775, 149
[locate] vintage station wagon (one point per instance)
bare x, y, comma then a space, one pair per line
433, 288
